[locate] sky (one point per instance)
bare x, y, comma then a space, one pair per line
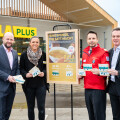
112, 7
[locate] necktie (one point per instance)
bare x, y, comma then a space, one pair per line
90, 51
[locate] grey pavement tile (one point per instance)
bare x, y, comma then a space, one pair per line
61, 114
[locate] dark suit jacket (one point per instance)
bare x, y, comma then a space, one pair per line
117, 78
5, 69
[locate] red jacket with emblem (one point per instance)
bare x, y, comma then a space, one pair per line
98, 56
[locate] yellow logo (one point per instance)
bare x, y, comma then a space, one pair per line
20, 32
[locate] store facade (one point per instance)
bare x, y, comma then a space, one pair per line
38, 27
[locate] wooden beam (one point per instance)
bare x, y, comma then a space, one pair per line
44, 11
40, 9
24, 8
55, 8
1, 7
19, 8
14, 7
50, 14
6, 7
9, 8
101, 11
33, 9
29, 9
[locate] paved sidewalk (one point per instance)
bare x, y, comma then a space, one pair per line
63, 104
62, 114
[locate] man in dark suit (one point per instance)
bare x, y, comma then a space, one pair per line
8, 69
114, 79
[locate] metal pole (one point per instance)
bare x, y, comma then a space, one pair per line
71, 102
28, 24
54, 103
62, 25
54, 83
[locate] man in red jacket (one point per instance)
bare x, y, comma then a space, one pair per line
94, 84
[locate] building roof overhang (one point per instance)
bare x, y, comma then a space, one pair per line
85, 13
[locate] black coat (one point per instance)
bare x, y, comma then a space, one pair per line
26, 65
117, 78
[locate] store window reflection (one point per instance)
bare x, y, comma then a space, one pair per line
21, 44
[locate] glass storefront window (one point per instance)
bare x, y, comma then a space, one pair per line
0, 41
21, 44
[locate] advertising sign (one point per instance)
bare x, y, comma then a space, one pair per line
19, 31
62, 56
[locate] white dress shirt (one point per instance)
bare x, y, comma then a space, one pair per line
10, 56
114, 61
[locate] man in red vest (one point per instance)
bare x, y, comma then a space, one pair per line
94, 84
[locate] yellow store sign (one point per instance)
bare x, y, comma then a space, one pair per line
20, 32
1, 34
24, 32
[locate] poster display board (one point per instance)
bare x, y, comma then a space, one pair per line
62, 56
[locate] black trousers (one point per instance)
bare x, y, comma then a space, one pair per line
40, 95
115, 101
6, 102
96, 104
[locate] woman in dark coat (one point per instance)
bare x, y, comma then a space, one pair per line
34, 87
